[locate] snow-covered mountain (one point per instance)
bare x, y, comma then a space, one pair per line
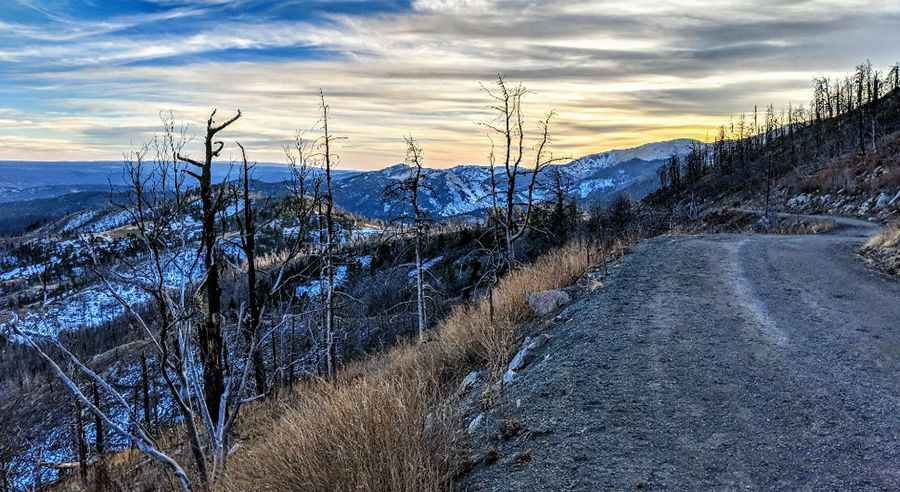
465, 189
657, 151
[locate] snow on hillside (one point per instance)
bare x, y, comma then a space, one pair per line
95, 305
588, 186
109, 222
78, 220
656, 151
466, 189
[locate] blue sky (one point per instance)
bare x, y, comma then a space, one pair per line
87, 79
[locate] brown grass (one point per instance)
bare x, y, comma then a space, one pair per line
889, 238
883, 250
388, 423
791, 226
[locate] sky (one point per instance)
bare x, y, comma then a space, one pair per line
87, 79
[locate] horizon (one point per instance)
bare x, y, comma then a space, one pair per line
380, 167
86, 81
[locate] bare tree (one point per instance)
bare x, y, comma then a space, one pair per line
132, 430
247, 228
80, 442
509, 124
771, 124
407, 191
212, 341
171, 326
328, 247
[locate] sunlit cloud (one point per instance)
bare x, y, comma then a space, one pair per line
617, 73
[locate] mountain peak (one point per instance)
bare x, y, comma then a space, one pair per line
654, 151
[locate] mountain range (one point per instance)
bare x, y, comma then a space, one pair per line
461, 190
32, 192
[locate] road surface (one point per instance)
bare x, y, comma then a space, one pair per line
717, 362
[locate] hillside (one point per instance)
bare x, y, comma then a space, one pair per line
845, 164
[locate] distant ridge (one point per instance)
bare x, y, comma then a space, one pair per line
451, 192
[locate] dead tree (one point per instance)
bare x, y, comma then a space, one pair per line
328, 248
98, 423
771, 124
248, 246
407, 191
509, 124
134, 432
305, 210
161, 225
80, 442
145, 391
860, 86
895, 76
212, 341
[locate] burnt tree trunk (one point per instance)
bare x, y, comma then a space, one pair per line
249, 246
212, 342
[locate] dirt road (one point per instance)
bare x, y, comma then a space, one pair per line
717, 362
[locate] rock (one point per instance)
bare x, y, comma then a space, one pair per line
488, 457
863, 208
766, 223
521, 458
526, 353
895, 199
469, 381
798, 201
509, 376
548, 301
883, 200
475, 423
510, 428
524, 357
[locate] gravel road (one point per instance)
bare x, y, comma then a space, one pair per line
716, 362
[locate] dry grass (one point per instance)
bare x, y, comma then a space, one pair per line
743, 222
375, 433
883, 249
889, 238
792, 226
387, 423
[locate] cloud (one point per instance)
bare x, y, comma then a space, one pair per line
618, 73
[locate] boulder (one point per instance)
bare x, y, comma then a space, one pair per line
895, 199
475, 423
527, 353
864, 208
548, 301
798, 201
509, 376
469, 381
524, 356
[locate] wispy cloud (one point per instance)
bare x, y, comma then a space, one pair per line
619, 73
